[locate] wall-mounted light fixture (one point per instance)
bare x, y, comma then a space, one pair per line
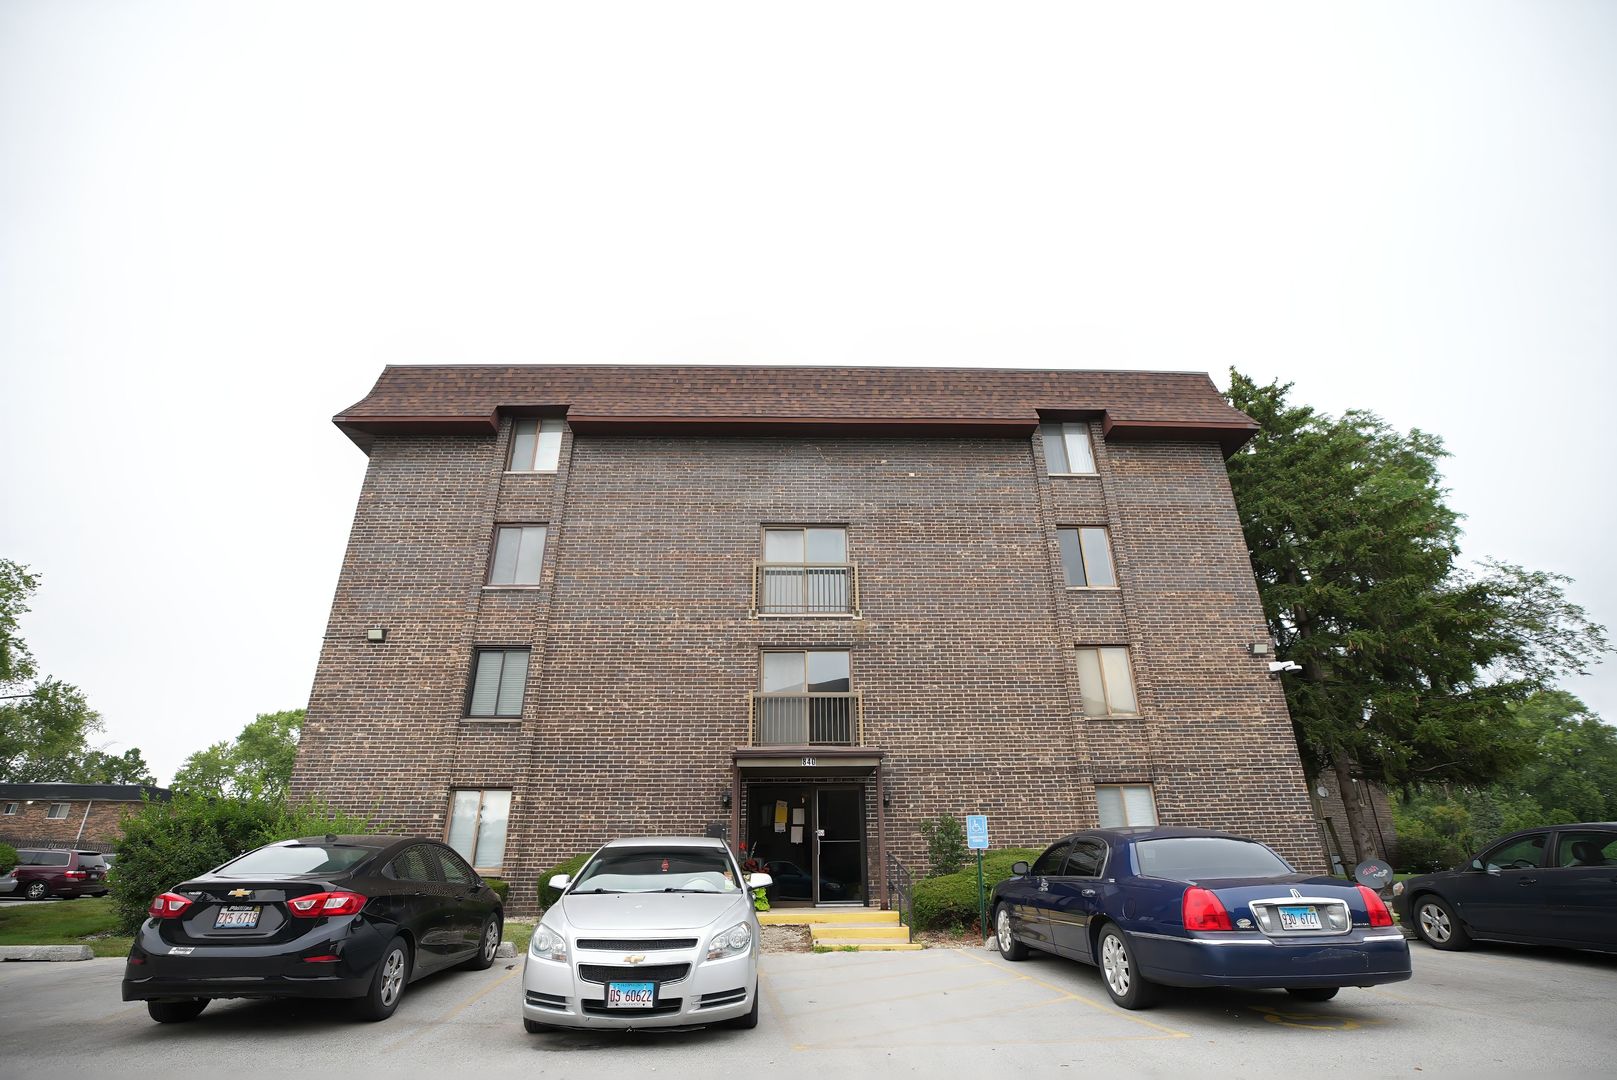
887, 797
1259, 648
724, 798
376, 634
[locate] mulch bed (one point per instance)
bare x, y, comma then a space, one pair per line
784, 939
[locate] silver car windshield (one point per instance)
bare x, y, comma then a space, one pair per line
643, 870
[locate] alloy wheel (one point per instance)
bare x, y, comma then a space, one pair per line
1434, 923
1115, 964
1002, 926
392, 976
491, 940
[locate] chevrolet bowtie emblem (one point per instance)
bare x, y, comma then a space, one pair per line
635, 959
240, 892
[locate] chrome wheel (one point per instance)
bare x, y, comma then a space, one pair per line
1435, 924
1002, 927
1114, 964
392, 976
491, 940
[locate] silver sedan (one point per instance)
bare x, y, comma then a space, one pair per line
654, 932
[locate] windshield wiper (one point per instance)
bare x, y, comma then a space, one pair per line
598, 890
714, 891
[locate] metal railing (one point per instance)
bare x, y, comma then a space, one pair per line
807, 719
900, 890
805, 589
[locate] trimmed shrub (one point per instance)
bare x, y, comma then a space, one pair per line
571, 867
8, 857
945, 840
499, 885
169, 842
951, 899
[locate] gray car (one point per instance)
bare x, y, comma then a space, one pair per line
654, 932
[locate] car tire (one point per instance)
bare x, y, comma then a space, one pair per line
488, 943
388, 983
534, 1027
37, 890
750, 1021
176, 1012
1119, 972
1437, 924
1312, 993
1009, 947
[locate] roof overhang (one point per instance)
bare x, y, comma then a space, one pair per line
807, 761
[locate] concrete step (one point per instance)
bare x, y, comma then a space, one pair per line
841, 931
866, 945
813, 916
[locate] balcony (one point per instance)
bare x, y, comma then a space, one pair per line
807, 720
805, 589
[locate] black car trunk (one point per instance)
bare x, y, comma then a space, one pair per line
249, 912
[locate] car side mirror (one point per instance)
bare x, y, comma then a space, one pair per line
759, 881
1476, 864
559, 882
1021, 869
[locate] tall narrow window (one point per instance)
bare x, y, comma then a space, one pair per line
1106, 683
536, 445
1067, 451
1124, 805
498, 680
477, 826
518, 552
1086, 557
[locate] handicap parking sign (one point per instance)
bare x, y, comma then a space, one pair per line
977, 832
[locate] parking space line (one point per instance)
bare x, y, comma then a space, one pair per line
1108, 1007
456, 1010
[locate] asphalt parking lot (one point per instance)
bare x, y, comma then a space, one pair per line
939, 1012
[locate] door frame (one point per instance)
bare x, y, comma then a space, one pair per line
811, 790
863, 841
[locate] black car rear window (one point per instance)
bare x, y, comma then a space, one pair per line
297, 859
1193, 858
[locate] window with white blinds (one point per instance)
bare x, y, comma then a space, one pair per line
1106, 683
499, 677
1123, 805
477, 825
1067, 451
519, 551
536, 445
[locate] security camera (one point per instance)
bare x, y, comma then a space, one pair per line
1276, 667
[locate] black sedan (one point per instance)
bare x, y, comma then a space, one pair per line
356, 917
1190, 907
1551, 886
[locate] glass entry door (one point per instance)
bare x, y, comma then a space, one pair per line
839, 845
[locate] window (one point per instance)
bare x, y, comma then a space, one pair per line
1067, 451
57, 812
824, 672
536, 445
42, 858
498, 680
456, 872
1087, 857
805, 572
477, 821
9, 809
412, 864
1200, 857
278, 859
1050, 863
799, 546
1524, 853
1123, 805
1586, 849
518, 552
1105, 682
1086, 557
804, 700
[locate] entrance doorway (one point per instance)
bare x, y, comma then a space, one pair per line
811, 840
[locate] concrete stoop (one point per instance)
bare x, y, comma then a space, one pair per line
847, 929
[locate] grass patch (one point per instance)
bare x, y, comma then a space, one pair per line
86, 921
519, 932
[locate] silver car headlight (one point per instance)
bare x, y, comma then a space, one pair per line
731, 942
548, 945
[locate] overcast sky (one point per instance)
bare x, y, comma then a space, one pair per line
218, 222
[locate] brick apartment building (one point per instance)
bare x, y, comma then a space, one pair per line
87, 816
807, 607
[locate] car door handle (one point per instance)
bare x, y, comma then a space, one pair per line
1528, 881
1088, 892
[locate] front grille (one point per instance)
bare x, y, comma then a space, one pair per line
723, 997
597, 1007
657, 973
630, 945
547, 1001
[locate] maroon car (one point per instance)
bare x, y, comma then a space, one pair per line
43, 872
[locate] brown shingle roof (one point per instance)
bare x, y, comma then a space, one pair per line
469, 399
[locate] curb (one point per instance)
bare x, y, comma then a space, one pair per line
46, 952
506, 950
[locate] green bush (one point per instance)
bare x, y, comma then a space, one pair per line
169, 842
8, 857
571, 867
499, 885
945, 840
951, 899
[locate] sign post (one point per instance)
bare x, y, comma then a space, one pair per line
977, 840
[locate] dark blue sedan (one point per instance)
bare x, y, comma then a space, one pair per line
1190, 907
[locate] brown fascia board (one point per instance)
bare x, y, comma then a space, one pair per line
802, 425
1231, 437
362, 430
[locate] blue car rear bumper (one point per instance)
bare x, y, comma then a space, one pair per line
1362, 958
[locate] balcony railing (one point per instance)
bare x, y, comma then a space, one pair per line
807, 720
805, 589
